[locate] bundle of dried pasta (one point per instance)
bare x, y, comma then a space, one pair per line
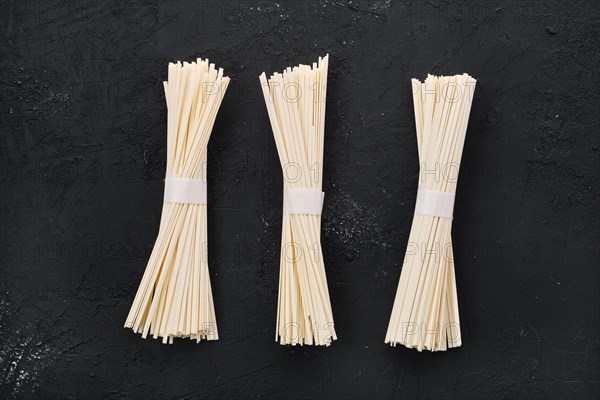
425, 312
174, 298
295, 102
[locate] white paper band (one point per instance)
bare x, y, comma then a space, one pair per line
437, 204
188, 191
303, 201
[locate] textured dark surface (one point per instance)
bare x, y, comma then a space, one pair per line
83, 155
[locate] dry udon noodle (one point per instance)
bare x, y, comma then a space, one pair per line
295, 101
174, 298
425, 312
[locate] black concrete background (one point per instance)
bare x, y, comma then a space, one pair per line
83, 156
